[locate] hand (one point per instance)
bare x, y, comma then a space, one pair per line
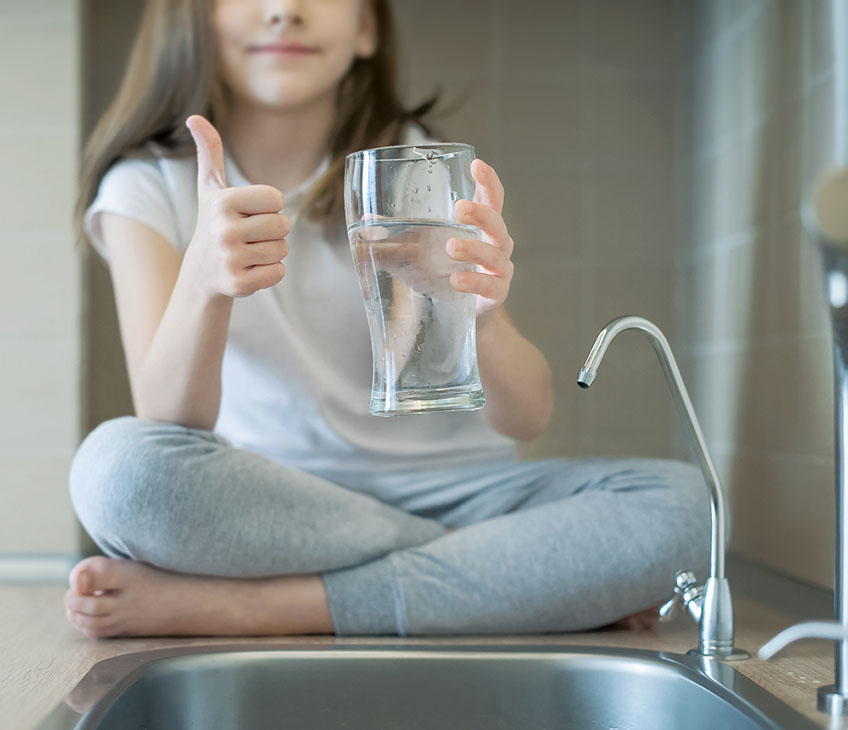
239, 241
493, 253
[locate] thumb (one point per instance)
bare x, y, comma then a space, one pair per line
210, 154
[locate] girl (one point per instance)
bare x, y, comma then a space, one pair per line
253, 493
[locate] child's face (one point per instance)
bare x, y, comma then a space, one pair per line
336, 31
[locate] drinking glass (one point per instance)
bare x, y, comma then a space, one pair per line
399, 208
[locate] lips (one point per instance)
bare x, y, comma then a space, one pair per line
285, 48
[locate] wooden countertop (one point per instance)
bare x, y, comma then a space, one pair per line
43, 656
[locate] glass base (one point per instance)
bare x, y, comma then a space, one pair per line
426, 400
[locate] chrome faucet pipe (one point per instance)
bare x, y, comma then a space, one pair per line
826, 224
711, 605
684, 406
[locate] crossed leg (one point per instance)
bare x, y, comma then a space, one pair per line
541, 539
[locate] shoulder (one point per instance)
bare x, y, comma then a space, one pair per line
148, 166
414, 133
148, 186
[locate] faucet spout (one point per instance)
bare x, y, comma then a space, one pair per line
716, 622
587, 376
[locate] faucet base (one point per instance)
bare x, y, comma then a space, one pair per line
734, 655
831, 701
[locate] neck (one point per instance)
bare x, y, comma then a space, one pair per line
279, 147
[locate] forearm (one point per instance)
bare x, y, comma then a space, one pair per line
181, 375
516, 379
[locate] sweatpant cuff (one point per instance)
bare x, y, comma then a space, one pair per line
365, 599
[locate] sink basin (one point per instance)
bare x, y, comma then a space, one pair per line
417, 687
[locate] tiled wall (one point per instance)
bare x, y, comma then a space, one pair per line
40, 277
653, 155
574, 103
752, 324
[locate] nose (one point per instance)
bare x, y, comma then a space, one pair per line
283, 12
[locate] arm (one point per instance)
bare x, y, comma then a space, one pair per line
175, 311
173, 334
515, 375
516, 379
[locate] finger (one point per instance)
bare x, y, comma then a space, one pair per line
210, 154
264, 227
488, 189
255, 199
486, 285
487, 220
264, 252
485, 254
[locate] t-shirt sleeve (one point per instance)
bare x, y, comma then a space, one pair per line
134, 188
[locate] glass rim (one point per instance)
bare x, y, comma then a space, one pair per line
451, 149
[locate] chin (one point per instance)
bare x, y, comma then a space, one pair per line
289, 96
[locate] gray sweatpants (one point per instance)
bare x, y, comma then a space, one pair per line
547, 546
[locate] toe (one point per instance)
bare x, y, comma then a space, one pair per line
95, 627
94, 574
91, 605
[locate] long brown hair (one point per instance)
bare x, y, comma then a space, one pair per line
172, 74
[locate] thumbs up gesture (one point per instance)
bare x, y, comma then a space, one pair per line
239, 240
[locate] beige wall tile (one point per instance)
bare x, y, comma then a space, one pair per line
817, 31
39, 393
43, 89
542, 123
538, 36
641, 289
40, 195
45, 13
39, 286
628, 408
802, 394
632, 122
702, 298
818, 135
544, 215
36, 515
452, 37
795, 275
634, 36
783, 515
714, 388
631, 217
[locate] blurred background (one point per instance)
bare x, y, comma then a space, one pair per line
655, 155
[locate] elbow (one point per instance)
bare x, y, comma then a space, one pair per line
532, 421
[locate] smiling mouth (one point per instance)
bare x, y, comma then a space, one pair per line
284, 50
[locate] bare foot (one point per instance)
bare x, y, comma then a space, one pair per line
639, 621
114, 597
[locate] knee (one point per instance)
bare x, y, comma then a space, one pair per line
694, 490
112, 474
688, 505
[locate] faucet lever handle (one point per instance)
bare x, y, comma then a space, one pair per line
684, 580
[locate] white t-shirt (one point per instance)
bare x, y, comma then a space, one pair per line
296, 372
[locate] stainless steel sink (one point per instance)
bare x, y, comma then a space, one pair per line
417, 687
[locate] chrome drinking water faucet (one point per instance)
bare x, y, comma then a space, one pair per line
826, 223
710, 605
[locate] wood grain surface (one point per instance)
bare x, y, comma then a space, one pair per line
43, 656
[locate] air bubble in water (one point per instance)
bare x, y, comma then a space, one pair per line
454, 196
429, 210
429, 189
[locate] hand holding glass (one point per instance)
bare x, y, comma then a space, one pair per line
399, 207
